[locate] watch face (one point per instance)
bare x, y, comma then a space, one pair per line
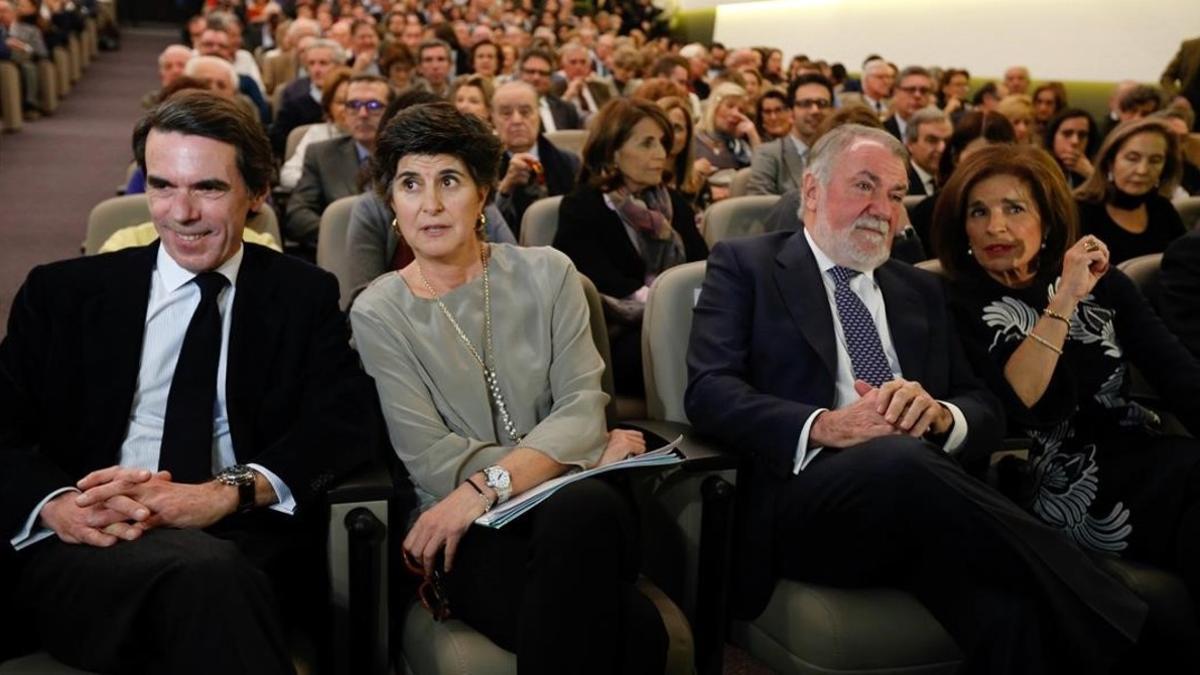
497, 477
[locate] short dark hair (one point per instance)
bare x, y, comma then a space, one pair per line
611, 127
334, 79
1139, 96
1069, 114
666, 64
436, 129
1047, 186
202, 113
536, 53
374, 79
990, 126
488, 43
808, 78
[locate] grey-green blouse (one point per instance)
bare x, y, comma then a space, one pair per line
440, 418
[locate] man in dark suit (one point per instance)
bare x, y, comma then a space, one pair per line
300, 102
169, 416
535, 68
577, 85
925, 139
337, 168
532, 167
1179, 288
914, 87
839, 376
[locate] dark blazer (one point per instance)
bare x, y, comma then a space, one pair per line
566, 115
915, 185
762, 358
561, 168
1179, 289
296, 107
594, 238
893, 127
331, 171
298, 403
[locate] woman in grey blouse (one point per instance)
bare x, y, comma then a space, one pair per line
490, 385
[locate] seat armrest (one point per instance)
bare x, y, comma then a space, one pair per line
370, 482
701, 454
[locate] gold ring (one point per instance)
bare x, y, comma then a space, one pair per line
1090, 244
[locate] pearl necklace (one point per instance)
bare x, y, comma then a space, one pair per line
489, 373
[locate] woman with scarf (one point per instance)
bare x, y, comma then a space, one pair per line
623, 225
1126, 202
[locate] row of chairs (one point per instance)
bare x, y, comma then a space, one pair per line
55, 75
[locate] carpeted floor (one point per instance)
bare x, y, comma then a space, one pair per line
56, 169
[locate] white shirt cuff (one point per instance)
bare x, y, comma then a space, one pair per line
958, 433
286, 502
27, 536
805, 454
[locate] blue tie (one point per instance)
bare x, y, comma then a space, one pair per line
867, 359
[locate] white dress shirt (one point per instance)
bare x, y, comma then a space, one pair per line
172, 302
867, 289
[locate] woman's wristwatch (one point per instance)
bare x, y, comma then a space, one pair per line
498, 478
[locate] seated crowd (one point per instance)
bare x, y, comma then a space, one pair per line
941, 271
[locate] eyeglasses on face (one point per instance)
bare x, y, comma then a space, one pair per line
535, 72
914, 90
371, 105
818, 103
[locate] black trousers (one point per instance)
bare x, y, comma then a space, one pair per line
557, 586
1016, 595
174, 601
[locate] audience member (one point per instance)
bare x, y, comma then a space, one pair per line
1182, 75
1018, 108
534, 68
1016, 80
697, 59
986, 98
25, 48
567, 568
778, 165
1140, 101
242, 60
433, 67
364, 48
772, 69
622, 226
128, 510
913, 89
472, 94
725, 136
1114, 105
1049, 99
397, 65
301, 100
1072, 138
532, 167
487, 60
283, 64
687, 174
216, 73
1053, 328
836, 374
1126, 202
953, 88
337, 168
925, 138
336, 124
216, 41
877, 83
170, 66
1181, 120
772, 115
575, 83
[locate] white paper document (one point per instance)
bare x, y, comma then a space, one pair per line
514, 508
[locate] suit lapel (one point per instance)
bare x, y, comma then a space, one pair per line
907, 321
803, 293
347, 169
115, 319
793, 161
253, 340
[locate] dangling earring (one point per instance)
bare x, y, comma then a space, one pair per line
970, 252
396, 228
1110, 176
482, 226
1043, 244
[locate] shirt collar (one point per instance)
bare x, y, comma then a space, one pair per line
801, 148
363, 153
174, 276
924, 175
824, 262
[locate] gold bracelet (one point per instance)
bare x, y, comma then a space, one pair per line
1055, 315
1044, 342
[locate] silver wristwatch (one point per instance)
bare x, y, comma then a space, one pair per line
497, 478
241, 477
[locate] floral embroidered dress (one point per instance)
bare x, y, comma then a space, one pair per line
1100, 468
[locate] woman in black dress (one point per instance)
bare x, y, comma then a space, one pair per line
1054, 327
1126, 202
622, 226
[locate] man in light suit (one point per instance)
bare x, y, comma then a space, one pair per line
169, 416
839, 376
778, 166
337, 168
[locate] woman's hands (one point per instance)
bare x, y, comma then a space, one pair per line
443, 526
621, 444
1077, 161
1083, 265
745, 129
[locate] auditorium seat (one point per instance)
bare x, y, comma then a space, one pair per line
737, 217
10, 97
1189, 211
331, 243
116, 213
740, 183
806, 628
570, 140
539, 224
293, 140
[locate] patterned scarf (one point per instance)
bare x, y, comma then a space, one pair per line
649, 215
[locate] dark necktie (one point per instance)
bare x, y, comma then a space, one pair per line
188, 424
867, 359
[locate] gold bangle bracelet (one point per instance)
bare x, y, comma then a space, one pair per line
1044, 342
1055, 315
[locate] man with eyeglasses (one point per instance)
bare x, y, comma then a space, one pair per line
336, 168
535, 69
778, 165
913, 90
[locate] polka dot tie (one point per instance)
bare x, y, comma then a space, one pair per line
862, 337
